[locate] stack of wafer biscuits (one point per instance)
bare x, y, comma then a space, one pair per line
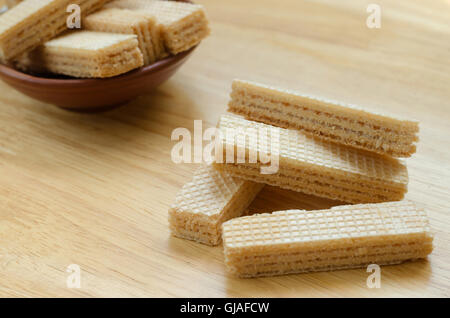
203, 204
183, 25
326, 149
332, 121
28, 33
32, 22
87, 54
313, 166
342, 237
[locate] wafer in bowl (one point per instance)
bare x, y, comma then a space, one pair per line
86, 54
183, 24
125, 21
93, 95
33, 22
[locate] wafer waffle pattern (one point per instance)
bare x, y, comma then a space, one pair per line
207, 201
86, 54
125, 21
343, 237
33, 22
184, 25
324, 119
317, 167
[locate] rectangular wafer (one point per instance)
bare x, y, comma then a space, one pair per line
342, 237
211, 198
183, 24
325, 119
125, 21
86, 54
311, 166
33, 22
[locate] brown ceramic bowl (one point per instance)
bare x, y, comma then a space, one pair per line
94, 94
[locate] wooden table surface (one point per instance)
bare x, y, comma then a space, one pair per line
94, 190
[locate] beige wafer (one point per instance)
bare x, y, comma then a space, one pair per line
33, 22
332, 121
342, 237
313, 166
86, 54
125, 21
184, 25
211, 198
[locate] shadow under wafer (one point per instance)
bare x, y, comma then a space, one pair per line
272, 199
339, 283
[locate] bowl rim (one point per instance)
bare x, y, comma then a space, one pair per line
13, 73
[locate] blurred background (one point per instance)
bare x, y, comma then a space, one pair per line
94, 189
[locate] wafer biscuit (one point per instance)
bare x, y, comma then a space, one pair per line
33, 22
125, 21
342, 237
332, 121
211, 198
184, 25
313, 166
86, 54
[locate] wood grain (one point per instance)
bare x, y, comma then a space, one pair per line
94, 190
